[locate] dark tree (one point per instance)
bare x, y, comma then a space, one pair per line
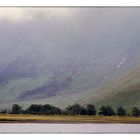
121, 111
106, 111
16, 109
74, 109
4, 111
83, 111
91, 109
57, 111
50, 110
43, 109
102, 110
34, 109
135, 112
47, 109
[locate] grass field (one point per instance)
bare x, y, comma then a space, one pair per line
9, 118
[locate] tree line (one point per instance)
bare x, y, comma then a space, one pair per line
75, 109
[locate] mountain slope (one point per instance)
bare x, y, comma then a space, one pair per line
122, 91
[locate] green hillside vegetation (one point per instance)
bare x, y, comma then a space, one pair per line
123, 91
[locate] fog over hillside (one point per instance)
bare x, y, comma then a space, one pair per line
49, 52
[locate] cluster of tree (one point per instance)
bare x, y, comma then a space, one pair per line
135, 112
79, 110
75, 109
36, 109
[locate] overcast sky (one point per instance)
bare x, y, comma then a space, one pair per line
66, 33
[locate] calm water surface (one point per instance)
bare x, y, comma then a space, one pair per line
68, 128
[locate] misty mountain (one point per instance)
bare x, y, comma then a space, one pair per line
50, 54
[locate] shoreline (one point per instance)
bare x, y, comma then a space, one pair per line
66, 119
48, 122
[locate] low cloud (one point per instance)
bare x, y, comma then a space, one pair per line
27, 14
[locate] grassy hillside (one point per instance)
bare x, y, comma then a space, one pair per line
123, 91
